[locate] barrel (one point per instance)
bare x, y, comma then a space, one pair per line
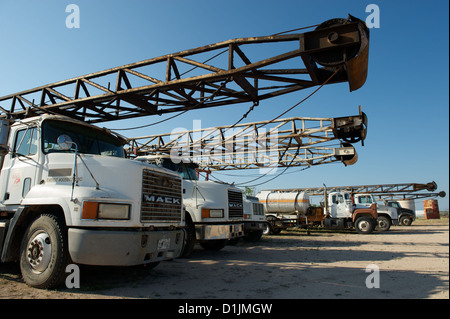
431, 209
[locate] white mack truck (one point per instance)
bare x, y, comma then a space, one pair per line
254, 219
69, 195
214, 211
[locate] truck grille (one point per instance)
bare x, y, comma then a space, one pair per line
235, 204
258, 209
161, 197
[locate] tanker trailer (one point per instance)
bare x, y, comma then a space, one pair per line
284, 209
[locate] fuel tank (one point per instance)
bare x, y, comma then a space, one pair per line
291, 202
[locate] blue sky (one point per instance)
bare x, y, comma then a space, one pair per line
406, 96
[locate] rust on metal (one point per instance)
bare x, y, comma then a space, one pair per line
219, 74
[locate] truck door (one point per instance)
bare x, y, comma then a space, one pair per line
333, 205
21, 173
339, 207
342, 207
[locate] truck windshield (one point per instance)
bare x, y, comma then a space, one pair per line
89, 140
394, 204
186, 170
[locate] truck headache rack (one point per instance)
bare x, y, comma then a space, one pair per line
224, 73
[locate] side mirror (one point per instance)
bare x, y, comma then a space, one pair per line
64, 142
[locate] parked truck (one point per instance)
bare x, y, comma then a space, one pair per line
293, 209
405, 216
387, 215
69, 195
214, 211
254, 219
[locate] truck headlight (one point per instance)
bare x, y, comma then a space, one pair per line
95, 210
212, 213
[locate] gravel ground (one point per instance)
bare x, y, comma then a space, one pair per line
405, 262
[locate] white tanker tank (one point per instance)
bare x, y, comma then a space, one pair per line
284, 203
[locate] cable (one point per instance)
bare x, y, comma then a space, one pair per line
148, 125
311, 94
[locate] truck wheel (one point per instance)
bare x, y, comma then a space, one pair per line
383, 223
44, 252
190, 237
215, 244
405, 221
364, 225
271, 226
267, 230
253, 236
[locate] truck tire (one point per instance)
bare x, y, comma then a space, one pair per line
364, 225
44, 252
214, 245
383, 223
405, 221
253, 236
266, 230
272, 229
190, 237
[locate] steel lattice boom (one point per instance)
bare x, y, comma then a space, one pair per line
279, 143
234, 71
381, 191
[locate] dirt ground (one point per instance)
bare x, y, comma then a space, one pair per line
413, 262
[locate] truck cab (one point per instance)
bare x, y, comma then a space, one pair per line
254, 219
405, 216
387, 215
341, 212
214, 211
69, 195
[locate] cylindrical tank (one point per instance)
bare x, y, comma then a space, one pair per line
292, 202
408, 203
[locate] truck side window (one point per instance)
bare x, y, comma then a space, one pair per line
26, 142
365, 200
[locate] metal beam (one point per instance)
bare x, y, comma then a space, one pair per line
192, 79
400, 190
297, 141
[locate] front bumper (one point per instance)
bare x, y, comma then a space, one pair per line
254, 225
219, 231
123, 247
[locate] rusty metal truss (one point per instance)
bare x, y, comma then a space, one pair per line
299, 141
411, 196
381, 191
234, 71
